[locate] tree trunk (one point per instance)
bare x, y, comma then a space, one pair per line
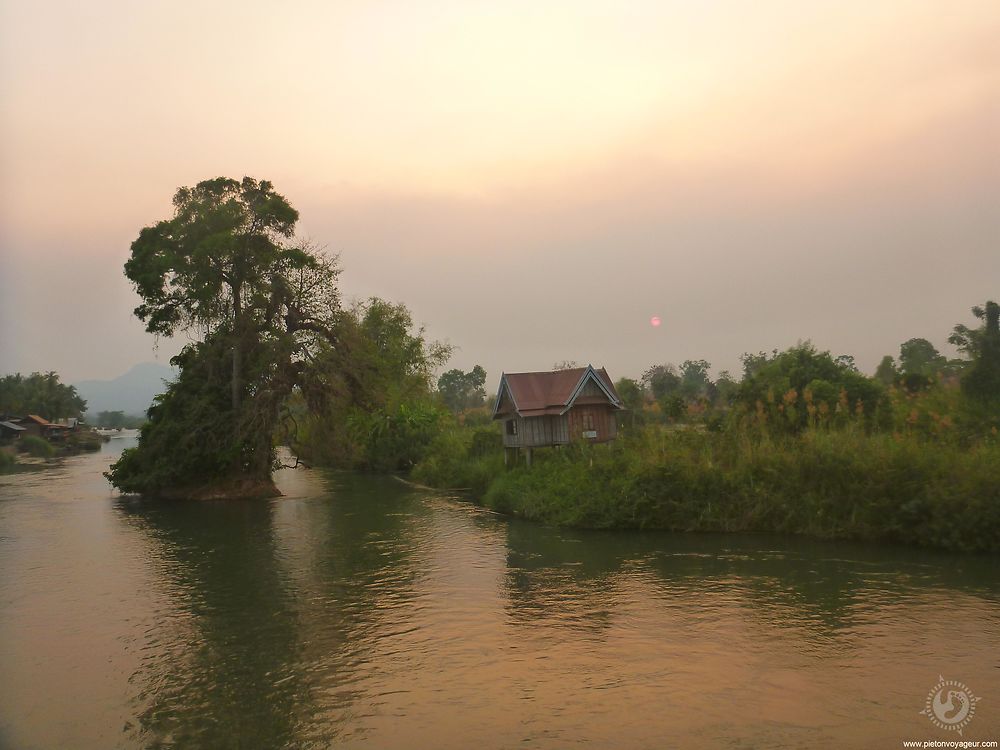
237, 350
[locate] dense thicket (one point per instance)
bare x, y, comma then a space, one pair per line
372, 404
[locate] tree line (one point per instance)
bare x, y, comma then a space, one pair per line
276, 354
41, 394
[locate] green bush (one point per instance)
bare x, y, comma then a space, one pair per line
922, 488
462, 458
36, 446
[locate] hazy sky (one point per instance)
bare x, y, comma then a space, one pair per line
535, 180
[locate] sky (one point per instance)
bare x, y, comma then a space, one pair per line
535, 181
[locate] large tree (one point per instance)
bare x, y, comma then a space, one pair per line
920, 357
463, 390
226, 269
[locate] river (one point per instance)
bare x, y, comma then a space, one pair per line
356, 611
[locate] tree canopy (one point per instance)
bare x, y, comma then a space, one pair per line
262, 307
830, 381
982, 379
920, 357
370, 403
41, 394
463, 390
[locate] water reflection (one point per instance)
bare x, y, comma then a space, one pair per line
823, 583
224, 655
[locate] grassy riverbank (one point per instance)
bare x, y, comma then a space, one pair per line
830, 483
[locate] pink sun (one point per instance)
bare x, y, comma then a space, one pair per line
655, 321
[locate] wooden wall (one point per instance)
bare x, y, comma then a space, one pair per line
533, 432
597, 417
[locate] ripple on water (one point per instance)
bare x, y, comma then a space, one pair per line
358, 611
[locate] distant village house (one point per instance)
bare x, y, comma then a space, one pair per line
554, 408
10, 431
39, 426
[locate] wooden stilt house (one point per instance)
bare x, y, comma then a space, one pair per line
554, 408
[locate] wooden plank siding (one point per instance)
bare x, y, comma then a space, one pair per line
599, 418
533, 432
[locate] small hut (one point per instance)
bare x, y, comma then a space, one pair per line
554, 408
10, 431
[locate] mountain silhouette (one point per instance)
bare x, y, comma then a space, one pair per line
131, 393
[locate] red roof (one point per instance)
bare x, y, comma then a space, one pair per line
536, 393
37, 419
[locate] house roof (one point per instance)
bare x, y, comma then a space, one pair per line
537, 393
36, 419
12, 426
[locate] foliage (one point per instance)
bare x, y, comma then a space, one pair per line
662, 381
467, 459
225, 267
41, 394
463, 390
752, 363
36, 446
695, 382
8, 461
969, 340
826, 484
981, 381
810, 446
923, 485
725, 387
801, 386
920, 357
189, 437
566, 364
631, 393
886, 372
371, 405
82, 440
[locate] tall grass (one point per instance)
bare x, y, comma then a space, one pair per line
462, 458
845, 483
36, 446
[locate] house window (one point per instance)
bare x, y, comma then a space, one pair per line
588, 421
511, 427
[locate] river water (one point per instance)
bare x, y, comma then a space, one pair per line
356, 611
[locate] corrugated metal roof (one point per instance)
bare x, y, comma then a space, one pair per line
12, 426
537, 393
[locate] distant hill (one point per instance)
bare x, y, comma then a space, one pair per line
131, 393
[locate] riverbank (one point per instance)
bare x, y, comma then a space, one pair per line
240, 488
31, 452
838, 484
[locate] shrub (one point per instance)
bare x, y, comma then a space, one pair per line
36, 446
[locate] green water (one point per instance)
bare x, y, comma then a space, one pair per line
359, 612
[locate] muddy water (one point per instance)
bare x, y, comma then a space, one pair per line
358, 612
